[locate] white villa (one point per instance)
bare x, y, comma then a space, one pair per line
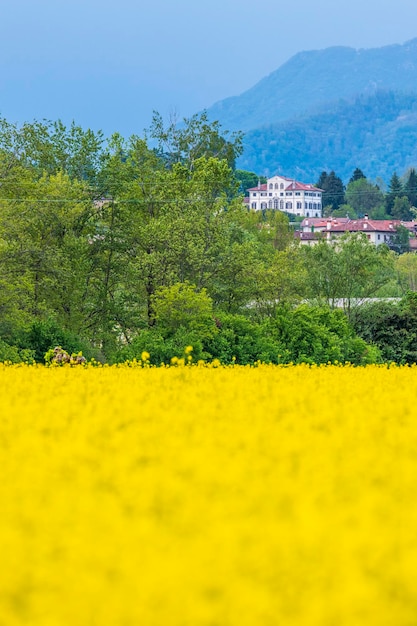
288, 195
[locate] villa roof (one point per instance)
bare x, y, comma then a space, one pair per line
361, 225
291, 185
263, 187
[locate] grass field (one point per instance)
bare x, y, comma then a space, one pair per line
194, 496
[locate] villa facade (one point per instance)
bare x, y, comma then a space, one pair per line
287, 195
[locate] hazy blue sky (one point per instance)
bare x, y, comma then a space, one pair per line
107, 64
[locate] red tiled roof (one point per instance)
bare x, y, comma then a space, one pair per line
293, 184
387, 226
321, 222
297, 186
263, 187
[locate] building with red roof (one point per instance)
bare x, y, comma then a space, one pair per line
287, 195
377, 231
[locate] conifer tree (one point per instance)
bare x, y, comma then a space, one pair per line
333, 188
395, 190
410, 187
357, 175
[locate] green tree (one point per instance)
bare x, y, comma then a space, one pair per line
51, 147
406, 269
182, 304
410, 187
395, 190
401, 209
333, 190
43, 236
160, 225
357, 175
400, 241
194, 138
247, 180
363, 196
348, 269
391, 327
345, 210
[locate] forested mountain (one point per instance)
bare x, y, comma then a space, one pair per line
377, 133
336, 108
312, 79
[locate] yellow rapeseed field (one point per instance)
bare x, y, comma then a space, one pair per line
208, 496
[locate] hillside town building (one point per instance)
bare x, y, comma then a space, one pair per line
287, 195
377, 232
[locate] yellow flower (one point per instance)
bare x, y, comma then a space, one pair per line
145, 356
206, 494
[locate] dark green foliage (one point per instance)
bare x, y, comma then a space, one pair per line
333, 188
247, 180
162, 349
395, 191
243, 340
410, 187
305, 334
15, 354
357, 175
364, 196
401, 209
320, 335
392, 327
400, 241
44, 335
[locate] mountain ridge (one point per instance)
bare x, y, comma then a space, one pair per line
290, 117
306, 81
